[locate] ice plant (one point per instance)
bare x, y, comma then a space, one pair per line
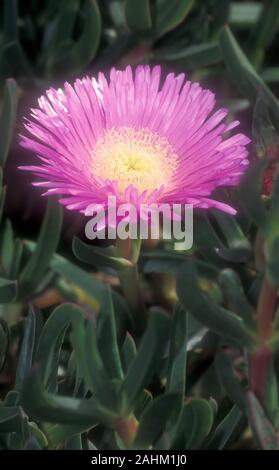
136, 138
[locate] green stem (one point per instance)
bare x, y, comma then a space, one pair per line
129, 282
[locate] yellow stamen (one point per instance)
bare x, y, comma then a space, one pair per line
135, 157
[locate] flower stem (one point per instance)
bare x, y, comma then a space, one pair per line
129, 281
260, 359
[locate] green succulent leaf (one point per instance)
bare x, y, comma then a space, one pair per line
7, 118
107, 338
80, 278
45, 406
7, 248
12, 57
67, 54
234, 236
100, 257
235, 296
265, 137
3, 191
220, 320
142, 402
28, 348
128, 352
51, 340
264, 31
228, 380
154, 420
74, 442
91, 365
251, 200
244, 75
229, 426
194, 425
176, 377
271, 398
261, 426
192, 57
38, 263
10, 419
4, 342
138, 16
169, 261
146, 361
8, 291
169, 15
57, 433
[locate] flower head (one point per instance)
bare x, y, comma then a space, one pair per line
136, 139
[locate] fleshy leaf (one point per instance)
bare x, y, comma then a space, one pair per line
7, 118
220, 320
145, 363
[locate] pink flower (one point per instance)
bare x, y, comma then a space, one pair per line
136, 139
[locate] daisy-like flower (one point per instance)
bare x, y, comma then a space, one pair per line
135, 138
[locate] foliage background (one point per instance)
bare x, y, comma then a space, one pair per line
75, 371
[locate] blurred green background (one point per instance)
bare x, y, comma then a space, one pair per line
48, 349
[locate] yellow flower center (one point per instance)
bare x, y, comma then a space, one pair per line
135, 157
